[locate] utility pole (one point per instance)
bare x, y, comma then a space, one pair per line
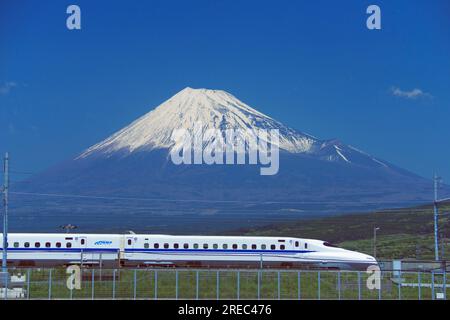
5, 213
436, 213
375, 229
4, 274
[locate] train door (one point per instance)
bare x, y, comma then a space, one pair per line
129, 245
82, 242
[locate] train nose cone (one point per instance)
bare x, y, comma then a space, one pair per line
361, 258
367, 258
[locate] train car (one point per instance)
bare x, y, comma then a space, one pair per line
139, 250
53, 249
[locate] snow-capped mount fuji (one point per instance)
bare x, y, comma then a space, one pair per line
213, 109
216, 109
315, 176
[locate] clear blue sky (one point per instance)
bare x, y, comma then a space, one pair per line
310, 64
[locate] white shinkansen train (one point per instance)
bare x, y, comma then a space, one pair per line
140, 250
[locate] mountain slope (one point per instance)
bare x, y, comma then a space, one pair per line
213, 109
315, 176
216, 109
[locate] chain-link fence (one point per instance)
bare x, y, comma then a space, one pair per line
60, 283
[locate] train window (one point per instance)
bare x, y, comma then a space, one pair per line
263, 247
296, 243
186, 245
16, 244
69, 238
306, 245
156, 245
48, 244
166, 246
273, 247
37, 244
195, 245
146, 245
83, 241
282, 247
281, 240
225, 246
58, 244
328, 244
215, 246
176, 246
26, 244
129, 242
205, 246
235, 246
244, 246
254, 246
68, 245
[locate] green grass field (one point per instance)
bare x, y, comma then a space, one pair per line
191, 284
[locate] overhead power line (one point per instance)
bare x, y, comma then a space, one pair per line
216, 201
21, 172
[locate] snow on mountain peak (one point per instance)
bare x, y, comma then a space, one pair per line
214, 109
217, 109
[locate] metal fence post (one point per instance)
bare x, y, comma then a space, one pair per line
28, 283
299, 287
419, 280
156, 284
6, 285
379, 289
196, 285
114, 284
217, 284
134, 284
238, 284
400, 286
432, 285
176, 284
71, 290
100, 262
318, 285
259, 284
279, 295
339, 284
359, 285
49, 284
93, 284
445, 284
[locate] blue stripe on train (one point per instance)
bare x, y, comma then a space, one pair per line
219, 250
64, 249
156, 250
